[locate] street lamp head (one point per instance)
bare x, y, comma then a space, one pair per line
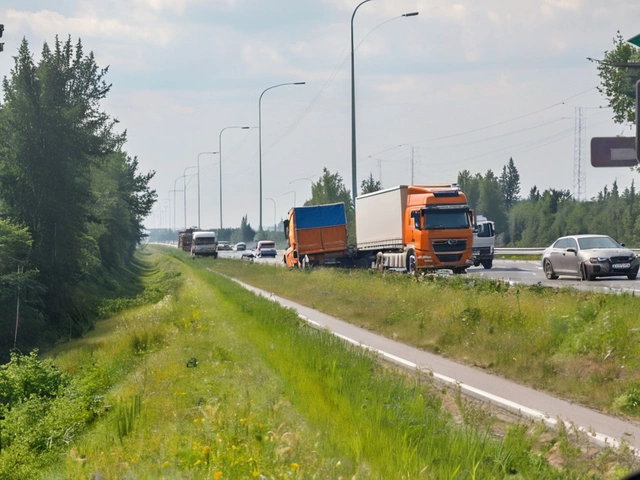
412, 14
299, 83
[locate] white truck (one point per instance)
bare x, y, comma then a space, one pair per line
204, 244
484, 239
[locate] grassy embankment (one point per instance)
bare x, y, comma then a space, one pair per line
579, 345
266, 397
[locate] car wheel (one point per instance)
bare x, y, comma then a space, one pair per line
632, 276
548, 271
585, 275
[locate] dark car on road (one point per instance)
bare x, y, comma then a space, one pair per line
589, 257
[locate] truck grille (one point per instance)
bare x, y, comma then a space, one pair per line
451, 245
449, 258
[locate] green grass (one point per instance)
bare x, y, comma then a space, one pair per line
579, 345
268, 397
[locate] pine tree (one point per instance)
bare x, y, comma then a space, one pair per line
510, 184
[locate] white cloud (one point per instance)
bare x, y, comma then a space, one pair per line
48, 24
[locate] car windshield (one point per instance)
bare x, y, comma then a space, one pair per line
589, 243
205, 240
268, 245
437, 219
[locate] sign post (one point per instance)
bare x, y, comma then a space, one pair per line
613, 152
638, 117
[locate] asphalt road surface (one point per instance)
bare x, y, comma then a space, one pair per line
527, 272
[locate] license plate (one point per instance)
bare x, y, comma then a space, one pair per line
621, 265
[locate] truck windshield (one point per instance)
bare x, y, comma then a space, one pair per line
441, 219
485, 230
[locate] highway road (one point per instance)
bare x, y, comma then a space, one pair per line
518, 271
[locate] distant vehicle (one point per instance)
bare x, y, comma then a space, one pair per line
589, 257
265, 248
185, 238
204, 244
484, 239
240, 247
224, 245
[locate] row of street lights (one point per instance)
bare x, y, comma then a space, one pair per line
354, 184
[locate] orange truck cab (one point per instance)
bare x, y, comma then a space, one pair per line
316, 235
421, 227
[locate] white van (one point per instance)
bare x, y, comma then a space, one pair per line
204, 244
484, 239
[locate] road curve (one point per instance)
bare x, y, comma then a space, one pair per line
600, 428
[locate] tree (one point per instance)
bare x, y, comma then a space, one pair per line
20, 292
246, 233
370, 185
63, 173
470, 185
330, 188
510, 184
490, 202
618, 83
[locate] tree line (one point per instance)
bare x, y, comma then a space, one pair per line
72, 201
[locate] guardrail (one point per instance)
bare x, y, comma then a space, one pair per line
519, 251
534, 251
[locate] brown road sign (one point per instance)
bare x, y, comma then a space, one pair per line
613, 152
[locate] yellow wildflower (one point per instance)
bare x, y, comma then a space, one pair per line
198, 462
256, 473
295, 466
166, 464
217, 476
206, 449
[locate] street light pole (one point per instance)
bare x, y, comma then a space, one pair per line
220, 158
354, 183
184, 190
294, 196
274, 217
175, 223
201, 153
260, 137
354, 176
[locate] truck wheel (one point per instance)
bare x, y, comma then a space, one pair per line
487, 264
215, 255
411, 262
459, 270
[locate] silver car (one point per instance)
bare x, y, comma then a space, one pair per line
588, 257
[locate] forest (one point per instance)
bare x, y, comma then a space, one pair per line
72, 201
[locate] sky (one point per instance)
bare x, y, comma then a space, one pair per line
465, 84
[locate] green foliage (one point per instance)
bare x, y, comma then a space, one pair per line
330, 188
66, 181
510, 183
26, 376
370, 185
618, 83
21, 293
